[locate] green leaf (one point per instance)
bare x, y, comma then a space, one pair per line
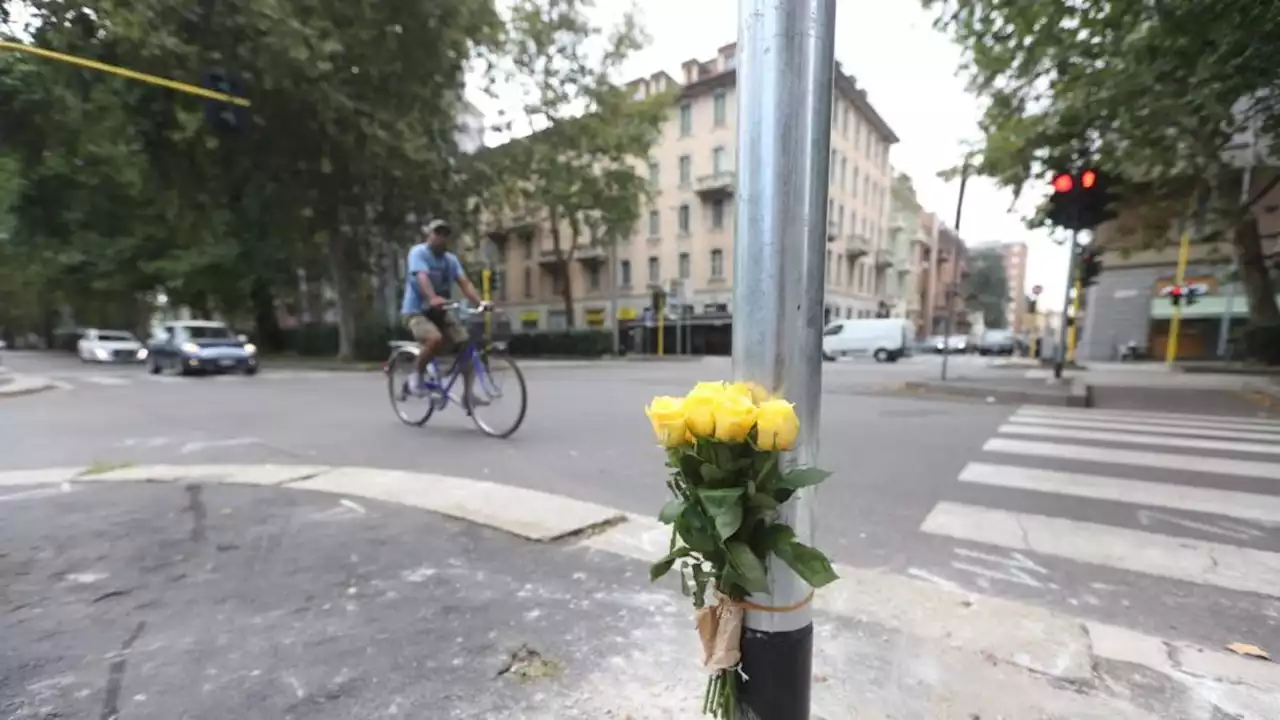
749, 568
778, 537
696, 530
809, 563
663, 566
725, 507
712, 474
690, 467
802, 477
767, 473
671, 511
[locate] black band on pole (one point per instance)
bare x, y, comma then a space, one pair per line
779, 670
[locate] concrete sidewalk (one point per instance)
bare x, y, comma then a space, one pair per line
292, 591
15, 384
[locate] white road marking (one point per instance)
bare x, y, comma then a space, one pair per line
198, 445
1150, 427
1144, 458
107, 380
1015, 567
936, 580
1149, 517
151, 442
38, 493
1231, 503
1154, 440
1144, 416
1196, 561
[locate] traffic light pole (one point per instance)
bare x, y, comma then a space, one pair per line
950, 291
1175, 321
786, 63
1073, 331
1060, 352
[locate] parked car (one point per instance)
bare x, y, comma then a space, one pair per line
200, 346
109, 346
997, 342
885, 339
959, 344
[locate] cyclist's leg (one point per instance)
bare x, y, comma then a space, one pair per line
458, 337
429, 337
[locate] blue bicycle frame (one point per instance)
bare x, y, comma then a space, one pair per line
445, 389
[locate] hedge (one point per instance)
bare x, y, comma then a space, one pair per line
1262, 343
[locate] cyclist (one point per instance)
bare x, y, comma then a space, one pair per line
432, 271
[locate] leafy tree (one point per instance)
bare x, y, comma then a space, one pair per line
577, 174
1152, 92
986, 287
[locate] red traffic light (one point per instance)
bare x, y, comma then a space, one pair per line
1176, 291
1088, 179
1063, 183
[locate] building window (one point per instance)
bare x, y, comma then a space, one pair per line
655, 223
528, 248
653, 173
717, 263
831, 171
855, 181
827, 268
717, 160
654, 275
719, 102
624, 273
683, 215
844, 123
686, 170
717, 214
686, 120
840, 223
684, 266
593, 277
528, 282
557, 284
844, 169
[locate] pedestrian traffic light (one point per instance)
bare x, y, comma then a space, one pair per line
1192, 294
1090, 267
1176, 295
220, 115
1081, 200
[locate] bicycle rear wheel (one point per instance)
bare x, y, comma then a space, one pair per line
411, 409
500, 383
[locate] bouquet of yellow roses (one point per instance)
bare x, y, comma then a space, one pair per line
723, 446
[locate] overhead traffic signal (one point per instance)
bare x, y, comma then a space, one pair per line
1176, 295
1081, 200
1186, 294
222, 116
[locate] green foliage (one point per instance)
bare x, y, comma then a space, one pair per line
986, 288
1152, 92
575, 174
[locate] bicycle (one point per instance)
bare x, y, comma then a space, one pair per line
439, 388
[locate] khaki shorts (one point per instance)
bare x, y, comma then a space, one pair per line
440, 325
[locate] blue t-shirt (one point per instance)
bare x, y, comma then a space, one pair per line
443, 270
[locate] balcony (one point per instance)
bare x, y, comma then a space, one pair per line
856, 246
715, 186
584, 254
884, 259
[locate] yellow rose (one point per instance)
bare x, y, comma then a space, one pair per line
754, 392
667, 416
698, 405
777, 425
735, 415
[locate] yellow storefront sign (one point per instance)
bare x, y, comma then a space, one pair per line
531, 316
627, 313
595, 317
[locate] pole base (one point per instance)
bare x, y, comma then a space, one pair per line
779, 670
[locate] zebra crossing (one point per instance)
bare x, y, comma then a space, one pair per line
1171, 496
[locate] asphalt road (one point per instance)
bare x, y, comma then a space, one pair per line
895, 502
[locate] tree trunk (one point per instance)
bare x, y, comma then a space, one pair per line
345, 303
1255, 274
562, 263
264, 315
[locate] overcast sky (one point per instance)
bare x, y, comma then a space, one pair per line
910, 73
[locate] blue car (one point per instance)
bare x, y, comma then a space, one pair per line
200, 346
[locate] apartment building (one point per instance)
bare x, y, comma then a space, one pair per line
912, 242
943, 262
685, 240
1014, 255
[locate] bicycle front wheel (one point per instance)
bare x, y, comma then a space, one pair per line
500, 393
411, 409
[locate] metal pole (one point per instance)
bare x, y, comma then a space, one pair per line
949, 292
1175, 322
786, 63
1075, 320
613, 297
1060, 352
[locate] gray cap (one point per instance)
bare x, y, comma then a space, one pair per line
435, 225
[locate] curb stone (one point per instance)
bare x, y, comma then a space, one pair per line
1011, 632
19, 385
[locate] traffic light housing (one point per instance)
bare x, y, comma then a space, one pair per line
1192, 295
1081, 199
1090, 267
221, 116
1177, 294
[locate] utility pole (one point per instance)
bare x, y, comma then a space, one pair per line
786, 63
1060, 352
613, 297
949, 292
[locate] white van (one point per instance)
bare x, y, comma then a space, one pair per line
885, 339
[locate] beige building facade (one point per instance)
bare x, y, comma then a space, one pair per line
684, 242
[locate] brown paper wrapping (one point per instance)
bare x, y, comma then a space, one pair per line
720, 630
